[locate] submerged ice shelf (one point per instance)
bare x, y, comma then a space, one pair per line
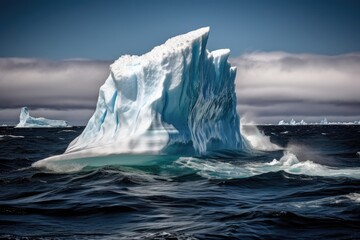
177, 97
26, 121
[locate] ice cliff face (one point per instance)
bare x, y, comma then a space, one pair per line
177, 96
26, 121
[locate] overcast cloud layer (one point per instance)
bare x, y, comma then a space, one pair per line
270, 87
276, 85
65, 89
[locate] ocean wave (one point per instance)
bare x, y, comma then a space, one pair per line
163, 236
288, 163
10, 136
355, 197
66, 131
256, 139
78, 164
350, 199
211, 168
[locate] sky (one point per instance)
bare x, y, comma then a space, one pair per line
295, 59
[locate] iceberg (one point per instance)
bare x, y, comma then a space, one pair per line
26, 121
302, 122
282, 122
179, 97
322, 122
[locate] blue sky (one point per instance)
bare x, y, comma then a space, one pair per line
295, 59
107, 29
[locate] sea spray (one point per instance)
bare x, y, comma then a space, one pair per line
255, 139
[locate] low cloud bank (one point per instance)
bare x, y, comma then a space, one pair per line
275, 85
270, 86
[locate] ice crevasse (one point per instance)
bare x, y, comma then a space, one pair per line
179, 95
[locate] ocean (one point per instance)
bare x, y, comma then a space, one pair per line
309, 188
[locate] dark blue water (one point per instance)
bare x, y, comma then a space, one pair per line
229, 196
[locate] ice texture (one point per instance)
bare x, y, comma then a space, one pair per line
177, 97
26, 121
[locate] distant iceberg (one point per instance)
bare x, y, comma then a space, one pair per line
179, 97
26, 121
282, 122
292, 122
322, 122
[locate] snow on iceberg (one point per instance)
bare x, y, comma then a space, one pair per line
26, 121
179, 95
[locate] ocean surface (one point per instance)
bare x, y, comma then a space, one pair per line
307, 189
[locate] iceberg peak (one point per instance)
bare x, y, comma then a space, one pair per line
174, 45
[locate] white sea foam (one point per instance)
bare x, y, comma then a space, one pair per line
63, 168
208, 168
288, 163
354, 197
77, 163
66, 131
256, 139
333, 200
10, 136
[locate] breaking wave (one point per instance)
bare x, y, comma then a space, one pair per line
288, 162
229, 167
256, 139
10, 136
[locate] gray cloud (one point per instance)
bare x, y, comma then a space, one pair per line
75, 117
66, 84
270, 87
274, 85
65, 89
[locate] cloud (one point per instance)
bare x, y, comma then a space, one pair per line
37, 83
274, 85
270, 86
66, 89
76, 117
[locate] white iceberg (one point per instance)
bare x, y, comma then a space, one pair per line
26, 121
175, 97
302, 122
322, 122
282, 122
